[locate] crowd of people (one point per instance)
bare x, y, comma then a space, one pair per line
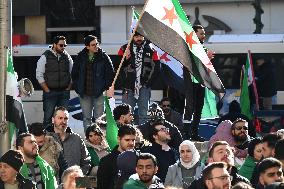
159, 152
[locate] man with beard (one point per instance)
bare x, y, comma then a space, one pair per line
160, 149
220, 151
137, 74
74, 147
240, 134
50, 150
146, 168
122, 114
108, 170
171, 115
216, 176
53, 73
270, 170
35, 168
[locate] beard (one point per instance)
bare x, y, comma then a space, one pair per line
145, 178
240, 138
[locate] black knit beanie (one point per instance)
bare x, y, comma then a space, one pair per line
252, 145
13, 158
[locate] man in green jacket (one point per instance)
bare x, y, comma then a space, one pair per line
35, 168
146, 168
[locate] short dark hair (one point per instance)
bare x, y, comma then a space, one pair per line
238, 121
214, 145
145, 156
20, 140
153, 130
271, 139
93, 128
164, 99
88, 39
59, 108
196, 27
127, 129
242, 185
279, 152
207, 171
57, 38
268, 163
37, 129
120, 110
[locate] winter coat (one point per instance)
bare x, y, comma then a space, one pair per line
47, 173
107, 170
135, 183
96, 152
174, 175
23, 183
248, 166
102, 69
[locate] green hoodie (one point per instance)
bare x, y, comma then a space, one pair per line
247, 168
47, 173
134, 184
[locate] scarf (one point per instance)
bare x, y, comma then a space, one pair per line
138, 52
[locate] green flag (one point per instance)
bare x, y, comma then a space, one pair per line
244, 97
111, 128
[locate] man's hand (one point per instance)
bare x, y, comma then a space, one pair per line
128, 54
110, 91
210, 54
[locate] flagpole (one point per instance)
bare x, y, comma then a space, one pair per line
5, 43
128, 45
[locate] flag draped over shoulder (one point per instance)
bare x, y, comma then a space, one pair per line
165, 24
14, 107
111, 128
246, 81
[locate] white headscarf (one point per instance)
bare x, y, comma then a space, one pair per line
195, 154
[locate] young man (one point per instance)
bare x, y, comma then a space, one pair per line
137, 74
122, 114
50, 150
74, 147
146, 168
10, 165
220, 151
53, 74
160, 149
216, 176
108, 170
270, 170
35, 168
92, 74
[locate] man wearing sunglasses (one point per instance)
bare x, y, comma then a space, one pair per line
53, 73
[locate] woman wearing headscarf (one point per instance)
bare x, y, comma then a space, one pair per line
187, 168
254, 156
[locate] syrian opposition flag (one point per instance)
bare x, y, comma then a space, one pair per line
165, 24
14, 107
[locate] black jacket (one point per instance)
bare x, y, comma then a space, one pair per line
107, 170
23, 183
175, 134
102, 69
199, 184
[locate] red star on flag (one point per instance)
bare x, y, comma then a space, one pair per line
189, 40
170, 14
165, 58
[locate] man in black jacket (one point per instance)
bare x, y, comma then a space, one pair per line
107, 171
10, 164
220, 152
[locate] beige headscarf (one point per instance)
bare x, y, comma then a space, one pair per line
195, 154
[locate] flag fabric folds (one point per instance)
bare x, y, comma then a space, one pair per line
111, 128
246, 81
14, 107
165, 24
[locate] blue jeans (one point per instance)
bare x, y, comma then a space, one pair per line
142, 102
51, 100
91, 108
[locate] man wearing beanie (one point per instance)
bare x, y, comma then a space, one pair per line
10, 164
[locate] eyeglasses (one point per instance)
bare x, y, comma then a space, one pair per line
242, 127
223, 178
62, 45
164, 129
278, 173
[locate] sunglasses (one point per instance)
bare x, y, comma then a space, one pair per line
62, 45
240, 128
164, 130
